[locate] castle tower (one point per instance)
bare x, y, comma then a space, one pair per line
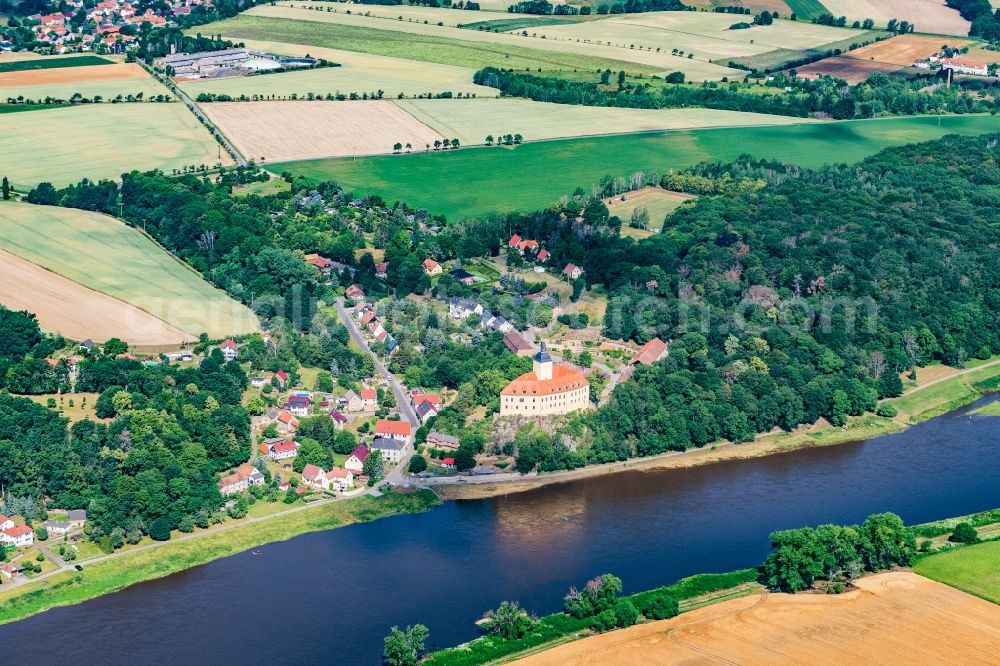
542, 364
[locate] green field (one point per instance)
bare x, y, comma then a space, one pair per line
806, 9
53, 63
505, 24
358, 72
470, 120
63, 145
973, 569
429, 43
18, 108
108, 256
945, 396
479, 181
989, 409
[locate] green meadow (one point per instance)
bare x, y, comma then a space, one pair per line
53, 63
972, 569
479, 181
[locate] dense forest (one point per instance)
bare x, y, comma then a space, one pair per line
170, 432
880, 95
796, 297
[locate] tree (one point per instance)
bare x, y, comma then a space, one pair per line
964, 533
508, 620
403, 648
159, 530
662, 607
114, 347
465, 459
396, 147
41, 533
417, 464
6, 189
373, 467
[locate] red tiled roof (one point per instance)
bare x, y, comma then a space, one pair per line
17, 530
385, 426
311, 472
650, 352
368, 394
563, 379
361, 452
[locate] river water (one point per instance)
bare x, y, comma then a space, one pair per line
330, 597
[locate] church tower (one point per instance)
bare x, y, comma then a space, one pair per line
542, 364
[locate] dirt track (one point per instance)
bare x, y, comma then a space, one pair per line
894, 618
65, 307
297, 130
87, 74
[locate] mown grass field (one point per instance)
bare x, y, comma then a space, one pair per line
945, 396
109, 257
53, 63
479, 181
973, 569
111, 575
470, 120
807, 9
95, 141
358, 73
447, 45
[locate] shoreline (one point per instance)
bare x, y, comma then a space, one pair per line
111, 573
858, 429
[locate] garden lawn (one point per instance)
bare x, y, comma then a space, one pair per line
972, 569
63, 145
480, 181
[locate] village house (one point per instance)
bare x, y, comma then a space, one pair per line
285, 421
281, 377
339, 479
516, 343
463, 308
399, 430
369, 399
448, 463
463, 276
543, 256
965, 66
18, 536
230, 350
572, 271
279, 449
258, 382
491, 322
547, 389
651, 352
437, 440
299, 405
382, 270
314, 476
426, 410
355, 294
322, 265
246, 475
351, 402
76, 517
356, 461
432, 267
392, 450
9, 569
339, 420
6, 522
57, 528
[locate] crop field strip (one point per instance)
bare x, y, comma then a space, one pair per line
465, 182
807, 9
451, 45
887, 56
103, 141
358, 72
780, 58
108, 256
108, 81
928, 16
53, 63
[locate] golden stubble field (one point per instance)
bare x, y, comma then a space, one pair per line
292, 130
927, 15
892, 618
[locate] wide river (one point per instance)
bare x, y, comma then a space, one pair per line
330, 597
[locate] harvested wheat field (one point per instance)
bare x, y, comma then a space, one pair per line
926, 15
34, 77
893, 618
851, 70
76, 312
888, 56
279, 131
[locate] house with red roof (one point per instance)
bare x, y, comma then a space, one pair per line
398, 430
514, 241
355, 293
339, 479
543, 256
382, 270
651, 352
230, 350
279, 449
432, 267
356, 461
369, 399
282, 378
314, 476
572, 271
448, 462
18, 536
6, 522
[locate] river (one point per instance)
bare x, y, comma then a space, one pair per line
330, 597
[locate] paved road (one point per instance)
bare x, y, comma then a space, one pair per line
402, 399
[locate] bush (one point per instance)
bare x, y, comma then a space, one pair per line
625, 613
599, 595
417, 464
160, 529
886, 410
186, 524
661, 607
964, 533
41, 533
